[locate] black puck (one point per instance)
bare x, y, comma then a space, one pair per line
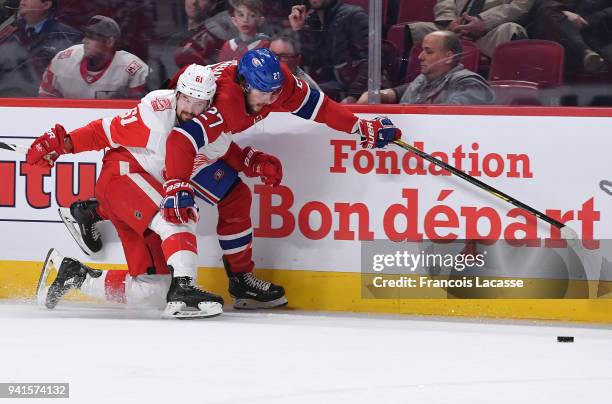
561, 338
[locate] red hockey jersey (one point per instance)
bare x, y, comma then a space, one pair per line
209, 133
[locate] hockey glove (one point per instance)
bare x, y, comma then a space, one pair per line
178, 205
48, 147
260, 164
378, 132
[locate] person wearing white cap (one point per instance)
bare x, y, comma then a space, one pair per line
95, 69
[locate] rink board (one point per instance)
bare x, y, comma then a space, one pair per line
304, 235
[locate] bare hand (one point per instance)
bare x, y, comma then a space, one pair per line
454, 24
363, 99
472, 28
349, 100
576, 19
297, 18
387, 96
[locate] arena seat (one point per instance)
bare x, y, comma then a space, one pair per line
415, 10
515, 92
531, 60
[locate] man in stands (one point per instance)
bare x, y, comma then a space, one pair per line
27, 51
582, 27
94, 69
199, 41
334, 38
443, 79
287, 49
489, 23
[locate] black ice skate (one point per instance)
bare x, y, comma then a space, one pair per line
250, 292
70, 275
187, 301
80, 220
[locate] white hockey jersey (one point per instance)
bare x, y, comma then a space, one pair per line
67, 76
143, 132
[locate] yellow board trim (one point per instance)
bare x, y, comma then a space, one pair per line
341, 291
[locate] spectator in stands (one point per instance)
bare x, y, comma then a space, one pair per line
287, 49
443, 79
584, 28
94, 69
208, 27
247, 17
135, 18
489, 23
27, 51
334, 38
276, 12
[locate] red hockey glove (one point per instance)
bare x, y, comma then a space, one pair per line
48, 147
260, 164
378, 132
178, 205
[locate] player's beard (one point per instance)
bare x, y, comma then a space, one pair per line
255, 109
185, 116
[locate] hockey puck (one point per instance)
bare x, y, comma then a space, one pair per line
565, 339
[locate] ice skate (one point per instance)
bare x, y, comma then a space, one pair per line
80, 220
187, 301
70, 275
250, 292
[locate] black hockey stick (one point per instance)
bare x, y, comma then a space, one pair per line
19, 148
23, 149
592, 259
481, 185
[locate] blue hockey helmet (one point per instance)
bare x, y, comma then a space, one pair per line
261, 70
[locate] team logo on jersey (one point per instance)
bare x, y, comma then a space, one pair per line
65, 54
133, 68
161, 104
219, 174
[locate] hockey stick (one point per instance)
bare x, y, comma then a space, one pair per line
475, 181
23, 149
591, 259
19, 148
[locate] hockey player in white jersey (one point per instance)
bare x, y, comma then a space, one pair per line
130, 191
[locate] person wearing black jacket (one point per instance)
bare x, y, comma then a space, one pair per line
334, 38
37, 38
583, 27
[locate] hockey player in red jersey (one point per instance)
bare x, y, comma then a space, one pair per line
155, 215
247, 91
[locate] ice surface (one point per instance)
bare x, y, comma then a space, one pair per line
112, 354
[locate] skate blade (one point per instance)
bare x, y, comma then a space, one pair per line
53, 260
250, 304
73, 229
180, 310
